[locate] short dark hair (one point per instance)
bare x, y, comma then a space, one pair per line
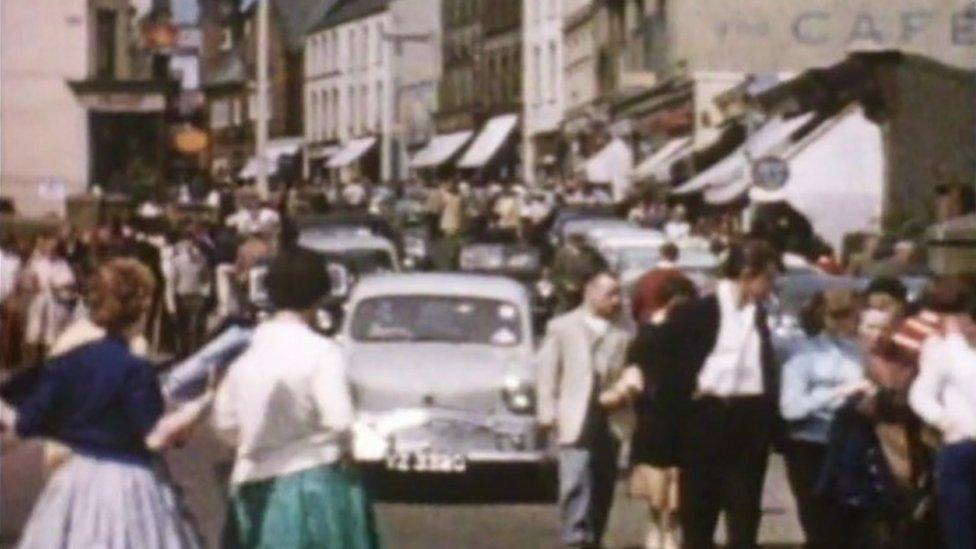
748, 257
948, 294
888, 285
678, 286
297, 279
670, 251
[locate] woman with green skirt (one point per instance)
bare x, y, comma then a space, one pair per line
285, 404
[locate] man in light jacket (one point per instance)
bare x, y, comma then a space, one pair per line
580, 362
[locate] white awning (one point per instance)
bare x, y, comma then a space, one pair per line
351, 152
771, 137
276, 149
491, 138
613, 165
658, 165
440, 149
837, 177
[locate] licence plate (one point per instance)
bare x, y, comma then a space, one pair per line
426, 462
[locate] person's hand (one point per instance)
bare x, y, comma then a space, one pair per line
632, 381
861, 387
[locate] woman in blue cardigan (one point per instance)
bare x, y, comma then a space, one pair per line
104, 403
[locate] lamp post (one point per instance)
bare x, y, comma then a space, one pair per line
262, 100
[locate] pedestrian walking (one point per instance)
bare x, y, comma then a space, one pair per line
649, 296
827, 370
52, 285
717, 399
944, 396
653, 479
191, 287
581, 359
285, 404
103, 402
573, 262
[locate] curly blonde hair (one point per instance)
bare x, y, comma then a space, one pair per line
121, 293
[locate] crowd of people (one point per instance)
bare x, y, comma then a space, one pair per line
874, 411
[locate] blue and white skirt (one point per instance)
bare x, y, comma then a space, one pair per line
95, 503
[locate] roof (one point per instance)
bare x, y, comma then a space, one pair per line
325, 242
348, 10
442, 284
298, 17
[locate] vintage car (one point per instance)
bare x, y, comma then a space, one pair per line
520, 262
352, 257
443, 372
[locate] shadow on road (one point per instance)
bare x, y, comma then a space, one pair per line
480, 485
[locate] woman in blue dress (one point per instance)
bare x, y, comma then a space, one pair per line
104, 403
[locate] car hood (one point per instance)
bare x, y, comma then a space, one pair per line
387, 376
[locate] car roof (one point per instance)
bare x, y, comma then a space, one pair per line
326, 242
441, 284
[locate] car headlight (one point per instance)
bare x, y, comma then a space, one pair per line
518, 394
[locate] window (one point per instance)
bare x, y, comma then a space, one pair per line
352, 110
226, 39
334, 122
335, 50
220, 114
364, 102
352, 50
105, 24
324, 54
237, 111
553, 72
380, 101
380, 43
537, 78
365, 48
313, 116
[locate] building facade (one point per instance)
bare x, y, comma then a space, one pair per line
76, 83
460, 106
543, 94
348, 90
228, 66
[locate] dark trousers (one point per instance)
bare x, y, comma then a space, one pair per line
191, 323
825, 524
956, 470
725, 453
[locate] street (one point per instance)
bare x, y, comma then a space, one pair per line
422, 522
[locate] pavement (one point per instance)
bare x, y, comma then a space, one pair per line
443, 513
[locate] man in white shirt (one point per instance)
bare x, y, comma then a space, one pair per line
944, 396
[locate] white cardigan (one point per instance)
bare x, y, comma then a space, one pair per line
285, 402
944, 393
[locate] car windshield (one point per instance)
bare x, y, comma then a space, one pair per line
427, 318
637, 258
361, 263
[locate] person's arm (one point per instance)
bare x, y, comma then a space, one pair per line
548, 380
224, 418
925, 394
330, 389
798, 400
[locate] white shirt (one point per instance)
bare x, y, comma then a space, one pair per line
9, 273
677, 230
285, 401
944, 393
248, 222
51, 273
735, 366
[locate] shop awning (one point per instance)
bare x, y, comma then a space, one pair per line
440, 149
489, 141
770, 138
612, 165
285, 146
658, 165
836, 177
351, 152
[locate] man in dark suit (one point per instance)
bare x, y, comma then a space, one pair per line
716, 399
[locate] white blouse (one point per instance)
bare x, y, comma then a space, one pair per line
285, 401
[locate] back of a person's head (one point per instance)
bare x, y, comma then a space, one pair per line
120, 292
948, 295
297, 279
890, 286
748, 257
670, 252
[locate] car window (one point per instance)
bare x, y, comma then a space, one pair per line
423, 318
